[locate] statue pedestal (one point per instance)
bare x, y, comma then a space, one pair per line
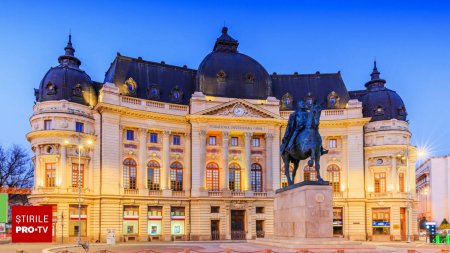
303, 210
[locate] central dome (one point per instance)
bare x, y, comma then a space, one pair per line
227, 73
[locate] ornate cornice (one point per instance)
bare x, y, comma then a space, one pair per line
58, 133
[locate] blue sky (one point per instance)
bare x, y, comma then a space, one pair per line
410, 40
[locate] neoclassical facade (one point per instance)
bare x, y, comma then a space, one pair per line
162, 152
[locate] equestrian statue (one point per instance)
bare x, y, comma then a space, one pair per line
302, 140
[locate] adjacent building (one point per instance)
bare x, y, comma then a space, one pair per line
163, 152
433, 190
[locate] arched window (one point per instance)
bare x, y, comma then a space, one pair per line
309, 174
256, 182
129, 174
284, 181
234, 182
153, 175
334, 176
176, 176
212, 176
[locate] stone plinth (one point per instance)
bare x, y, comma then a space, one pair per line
303, 211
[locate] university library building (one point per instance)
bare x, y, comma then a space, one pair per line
163, 152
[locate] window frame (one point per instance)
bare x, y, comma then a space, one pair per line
129, 174
234, 177
212, 140
334, 177
129, 135
234, 141
153, 175
256, 178
50, 168
212, 176
379, 182
256, 142
176, 169
153, 138
176, 139
332, 143
48, 124
75, 179
79, 127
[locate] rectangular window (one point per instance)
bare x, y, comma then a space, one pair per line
79, 127
177, 220
47, 124
381, 221
234, 141
259, 229
153, 138
259, 209
338, 221
73, 220
176, 140
154, 220
50, 174
332, 143
380, 182
401, 182
255, 142
212, 140
130, 220
77, 176
130, 135
215, 209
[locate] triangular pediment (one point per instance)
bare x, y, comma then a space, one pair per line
238, 108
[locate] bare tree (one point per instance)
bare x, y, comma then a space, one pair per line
16, 171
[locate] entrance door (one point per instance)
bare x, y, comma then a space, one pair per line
215, 235
403, 223
237, 224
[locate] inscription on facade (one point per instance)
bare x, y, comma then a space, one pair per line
239, 128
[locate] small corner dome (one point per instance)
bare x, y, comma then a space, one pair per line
67, 81
381, 103
227, 73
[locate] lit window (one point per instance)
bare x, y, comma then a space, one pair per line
79, 127
74, 229
154, 138
130, 220
212, 176
212, 140
234, 179
256, 180
234, 141
381, 221
255, 142
129, 174
77, 175
50, 174
334, 177
332, 143
176, 176
176, 140
47, 124
380, 182
130, 135
153, 175
309, 174
284, 181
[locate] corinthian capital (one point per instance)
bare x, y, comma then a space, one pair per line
225, 134
248, 135
166, 132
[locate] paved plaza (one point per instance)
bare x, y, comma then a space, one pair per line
214, 247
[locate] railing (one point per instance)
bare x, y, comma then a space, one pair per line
260, 234
338, 194
237, 193
178, 194
214, 193
333, 112
47, 189
75, 190
260, 194
215, 235
238, 235
130, 100
285, 114
154, 192
155, 106
131, 191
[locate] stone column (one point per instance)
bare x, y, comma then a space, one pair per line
202, 136
187, 162
120, 158
269, 169
344, 169
90, 184
225, 173
165, 170
142, 158
37, 167
248, 161
62, 168
394, 175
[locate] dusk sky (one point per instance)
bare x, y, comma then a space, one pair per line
410, 40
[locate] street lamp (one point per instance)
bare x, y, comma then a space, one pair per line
80, 147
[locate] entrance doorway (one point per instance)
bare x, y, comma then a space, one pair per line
215, 234
403, 223
237, 224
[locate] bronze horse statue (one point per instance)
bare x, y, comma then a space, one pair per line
307, 144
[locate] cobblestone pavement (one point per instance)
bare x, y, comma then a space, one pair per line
219, 247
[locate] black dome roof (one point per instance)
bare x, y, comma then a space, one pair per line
67, 81
381, 103
227, 73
